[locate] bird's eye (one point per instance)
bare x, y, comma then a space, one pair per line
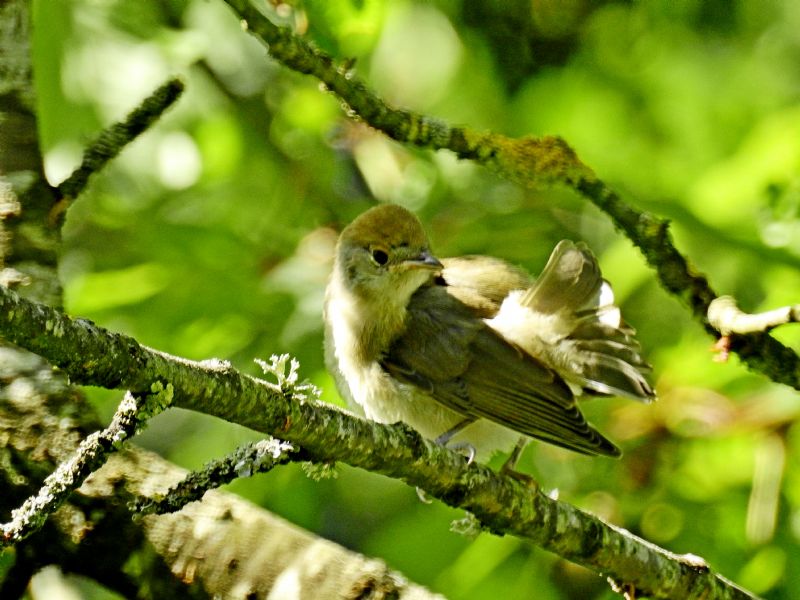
380, 257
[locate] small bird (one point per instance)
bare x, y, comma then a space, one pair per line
471, 351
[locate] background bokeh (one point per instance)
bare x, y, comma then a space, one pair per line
211, 236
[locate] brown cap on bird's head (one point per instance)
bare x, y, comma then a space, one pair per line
387, 225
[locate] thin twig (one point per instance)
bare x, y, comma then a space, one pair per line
245, 461
725, 316
111, 142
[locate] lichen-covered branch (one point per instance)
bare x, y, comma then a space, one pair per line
90, 455
245, 461
111, 141
529, 161
230, 548
206, 550
92, 355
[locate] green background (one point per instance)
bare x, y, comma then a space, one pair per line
211, 236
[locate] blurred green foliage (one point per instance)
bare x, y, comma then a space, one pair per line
211, 236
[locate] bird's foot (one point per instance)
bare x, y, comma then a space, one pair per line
509, 467
448, 435
466, 448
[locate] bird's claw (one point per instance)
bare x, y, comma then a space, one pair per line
444, 440
469, 449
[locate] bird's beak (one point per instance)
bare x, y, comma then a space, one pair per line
425, 260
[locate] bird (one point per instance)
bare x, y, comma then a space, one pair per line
471, 351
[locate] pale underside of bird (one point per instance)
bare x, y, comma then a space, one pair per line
473, 348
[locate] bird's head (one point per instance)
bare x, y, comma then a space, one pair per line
384, 255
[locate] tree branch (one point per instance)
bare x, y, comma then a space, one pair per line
531, 162
92, 355
228, 547
247, 460
110, 143
726, 317
206, 550
91, 454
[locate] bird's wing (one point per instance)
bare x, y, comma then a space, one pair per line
570, 281
584, 326
482, 282
468, 367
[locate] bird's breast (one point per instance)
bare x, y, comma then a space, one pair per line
354, 358
362, 380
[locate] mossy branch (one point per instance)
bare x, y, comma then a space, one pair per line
111, 141
247, 460
529, 161
92, 355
